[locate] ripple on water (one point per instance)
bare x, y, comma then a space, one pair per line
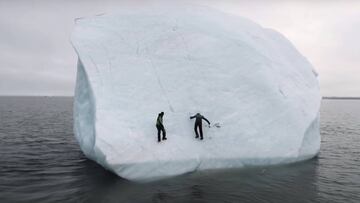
41, 162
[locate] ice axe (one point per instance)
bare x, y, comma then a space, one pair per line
217, 125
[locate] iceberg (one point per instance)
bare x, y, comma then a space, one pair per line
250, 81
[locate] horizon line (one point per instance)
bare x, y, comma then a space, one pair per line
9, 95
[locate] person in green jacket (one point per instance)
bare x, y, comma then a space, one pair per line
160, 127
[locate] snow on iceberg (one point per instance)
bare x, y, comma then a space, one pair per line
249, 79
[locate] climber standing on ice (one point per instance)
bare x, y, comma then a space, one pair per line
198, 124
160, 126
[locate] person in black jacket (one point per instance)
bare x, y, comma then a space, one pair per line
160, 126
198, 124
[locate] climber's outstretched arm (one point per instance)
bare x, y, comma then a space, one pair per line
206, 120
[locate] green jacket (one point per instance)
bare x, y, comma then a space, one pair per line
159, 121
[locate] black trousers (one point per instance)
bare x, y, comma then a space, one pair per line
198, 125
161, 128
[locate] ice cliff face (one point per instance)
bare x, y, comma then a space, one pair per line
250, 80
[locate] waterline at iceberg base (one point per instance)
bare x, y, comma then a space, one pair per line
251, 80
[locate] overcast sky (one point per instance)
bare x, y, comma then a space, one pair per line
36, 57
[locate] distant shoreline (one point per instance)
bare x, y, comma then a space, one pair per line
35, 96
327, 98
343, 98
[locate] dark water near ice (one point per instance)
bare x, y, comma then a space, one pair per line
40, 161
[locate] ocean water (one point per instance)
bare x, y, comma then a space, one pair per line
40, 161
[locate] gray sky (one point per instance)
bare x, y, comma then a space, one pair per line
36, 57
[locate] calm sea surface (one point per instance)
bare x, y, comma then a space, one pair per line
40, 161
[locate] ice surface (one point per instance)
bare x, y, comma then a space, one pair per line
249, 79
